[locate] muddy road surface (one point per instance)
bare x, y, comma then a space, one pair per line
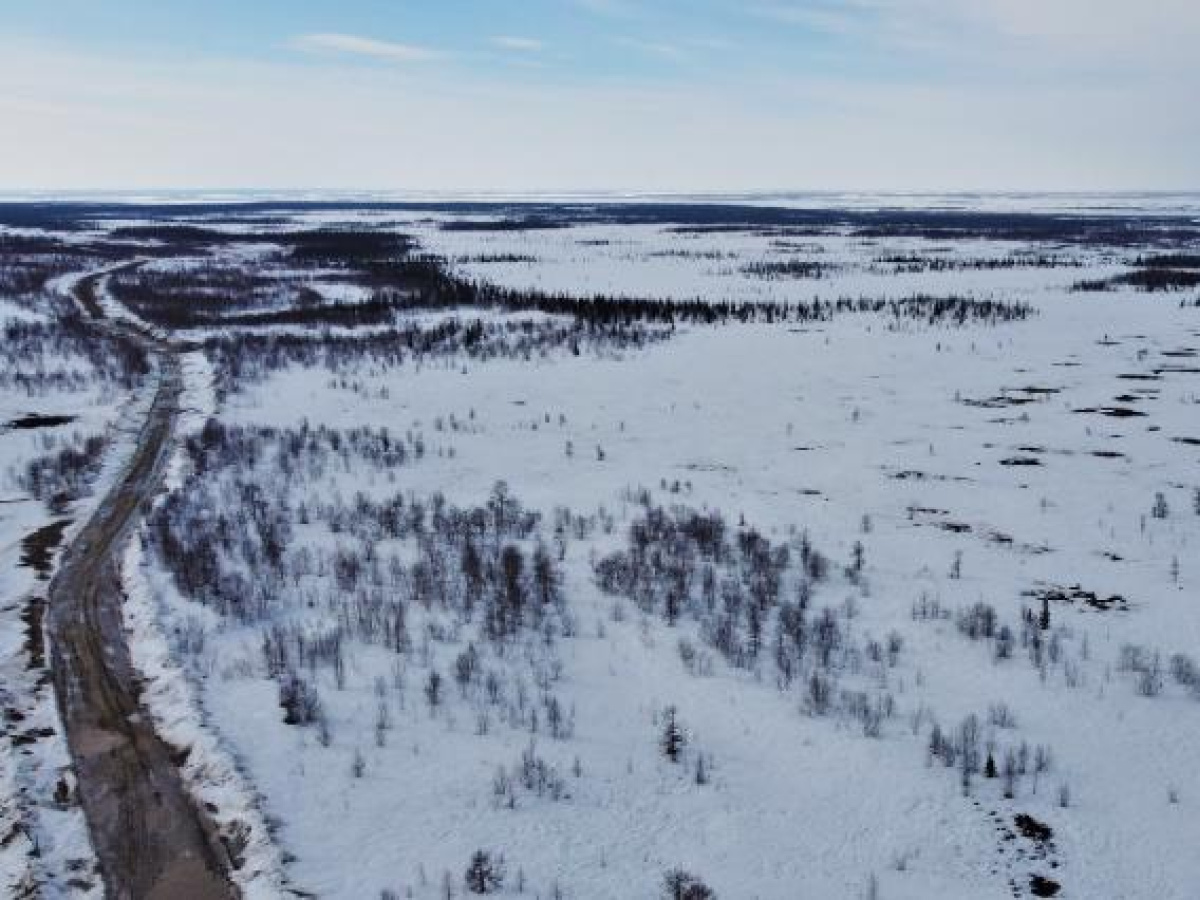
152, 840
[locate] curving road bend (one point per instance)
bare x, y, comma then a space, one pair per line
152, 840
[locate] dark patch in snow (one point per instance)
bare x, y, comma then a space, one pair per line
1040, 886
1032, 828
1007, 540
1036, 391
35, 640
1076, 594
955, 527
1001, 401
1113, 412
917, 475
34, 420
927, 511
32, 736
1021, 461
709, 467
37, 548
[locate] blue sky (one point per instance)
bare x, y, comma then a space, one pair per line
595, 94
591, 40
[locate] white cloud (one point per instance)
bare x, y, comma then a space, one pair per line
362, 46
661, 49
818, 16
519, 44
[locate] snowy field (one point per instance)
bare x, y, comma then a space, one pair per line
66, 414
892, 597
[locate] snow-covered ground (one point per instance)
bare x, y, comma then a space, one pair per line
961, 458
650, 260
816, 429
45, 847
948, 473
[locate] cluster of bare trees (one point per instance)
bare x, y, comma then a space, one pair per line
751, 602
61, 353
53, 350
243, 357
227, 537
975, 750
398, 572
66, 472
1050, 649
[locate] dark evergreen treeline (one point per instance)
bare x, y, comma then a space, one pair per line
179, 236
788, 268
28, 262
202, 293
916, 263
1170, 261
1154, 279
1133, 228
522, 223
439, 290
345, 247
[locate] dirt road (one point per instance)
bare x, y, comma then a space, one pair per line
151, 839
